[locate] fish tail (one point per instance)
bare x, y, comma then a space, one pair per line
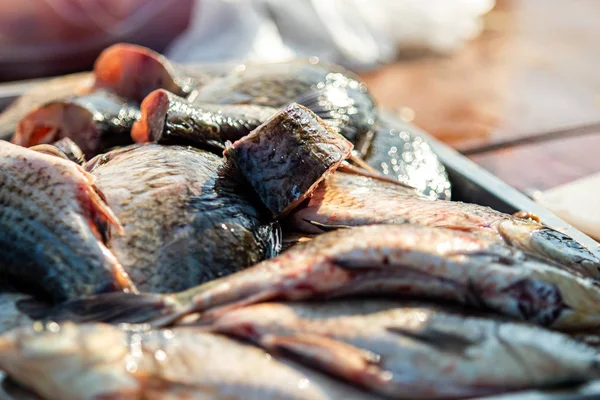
118, 307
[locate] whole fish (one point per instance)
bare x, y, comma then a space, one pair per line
351, 200
52, 222
95, 122
413, 350
43, 92
285, 158
333, 93
79, 362
166, 117
397, 151
186, 216
391, 260
134, 71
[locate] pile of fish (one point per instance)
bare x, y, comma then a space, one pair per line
264, 234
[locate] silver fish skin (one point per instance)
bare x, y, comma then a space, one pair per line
388, 260
351, 200
186, 218
409, 350
52, 221
93, 361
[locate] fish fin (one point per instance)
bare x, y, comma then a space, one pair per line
462, 228
102, 215
447, 342
219, 311
33, 308
118, 307
350, 169
339, 358
326, 227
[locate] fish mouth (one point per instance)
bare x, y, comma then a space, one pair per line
151, 124
51, 122
133, 71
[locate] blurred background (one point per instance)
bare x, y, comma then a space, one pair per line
513, 84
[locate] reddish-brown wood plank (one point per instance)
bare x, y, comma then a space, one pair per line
544, 165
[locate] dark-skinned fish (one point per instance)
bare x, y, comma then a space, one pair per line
95, 122
187, 217
397, 151
333, 93
168, 118
285, 158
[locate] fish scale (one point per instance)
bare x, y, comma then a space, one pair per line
172, 202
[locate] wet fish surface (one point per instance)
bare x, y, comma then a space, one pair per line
186, 216
333, 93
52, 222
169, 118
44, 92
409, 350
95, 122
350, 200
77, 362
397, 151
285, 158
391, 260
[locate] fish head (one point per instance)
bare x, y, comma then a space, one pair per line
67, 361
550, 244
54, 121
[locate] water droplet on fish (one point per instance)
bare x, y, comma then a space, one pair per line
303, 384
313, 60
406, 114
386, 376
168, 334
38, 326
131, 365
53, 327
160, 355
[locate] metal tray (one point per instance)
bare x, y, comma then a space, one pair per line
470, 183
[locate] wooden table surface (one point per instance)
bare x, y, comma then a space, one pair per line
535, 70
